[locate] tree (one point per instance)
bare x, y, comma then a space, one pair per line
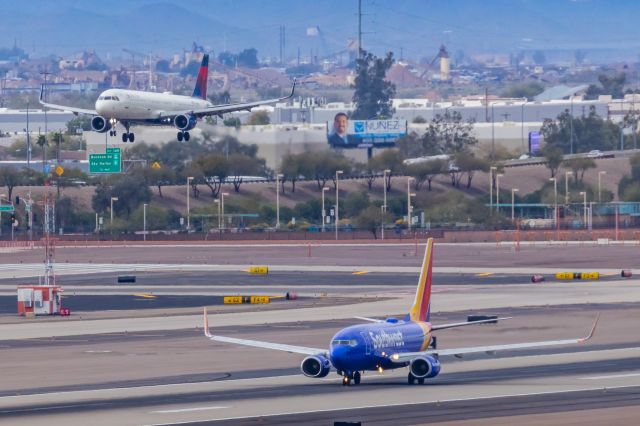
128, 190
373, 93
579, 166
524, 90
389, 159
419, 120
82, 122
241, 166
259, 118
248, 58
291, 168
554, 158
613, 86
10, 178
588, 132
426, 171
371, 219
470, 164
214, 169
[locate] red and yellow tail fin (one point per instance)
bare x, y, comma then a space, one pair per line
422, 304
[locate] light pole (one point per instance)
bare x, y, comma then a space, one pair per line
566, 187
498, 176
492, 169
189, 179
555, 199
222, 195
1, 197
493, 134
338, 173
144, 222
513, 203
600, 173
584, 206
384, 198
409, 179
111, 221
217, 201
324, 215
278, 176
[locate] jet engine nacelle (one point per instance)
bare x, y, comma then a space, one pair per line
425, 367
100, 124
185, 122
315, 366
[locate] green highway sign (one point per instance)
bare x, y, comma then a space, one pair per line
105, 163
7, 208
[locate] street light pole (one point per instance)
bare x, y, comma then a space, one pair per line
144, 222
338, 173
566, 187
600, 173
409, 179
278, 176
384, 202
498, 176
217, 201
222, 208
324, 215
189, 179
111, 221
492, 169
555, 199
584, 206
513, 204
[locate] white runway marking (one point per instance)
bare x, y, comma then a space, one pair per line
187, 410
613, 376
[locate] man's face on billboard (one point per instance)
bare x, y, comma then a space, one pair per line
340, 125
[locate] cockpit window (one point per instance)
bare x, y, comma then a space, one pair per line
339, 342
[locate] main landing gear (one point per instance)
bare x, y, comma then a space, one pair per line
411, 379
183, 136
128, 137
346, 378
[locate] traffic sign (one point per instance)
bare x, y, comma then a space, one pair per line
59, 170
155, 165
105, 163
7, 208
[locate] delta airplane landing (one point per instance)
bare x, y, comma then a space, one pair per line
389, 344
130, 107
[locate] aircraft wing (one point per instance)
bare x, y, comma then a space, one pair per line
260, 344
226, 108
462, 324
459, 352
74, 110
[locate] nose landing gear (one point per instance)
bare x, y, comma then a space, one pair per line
347, 377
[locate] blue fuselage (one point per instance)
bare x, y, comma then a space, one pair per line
369, 346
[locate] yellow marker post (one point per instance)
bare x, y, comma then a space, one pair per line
253, 300
232, 300
259, 270
484, 274
359, 272
590, 276
564, 276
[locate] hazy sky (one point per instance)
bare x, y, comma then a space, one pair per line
417, 27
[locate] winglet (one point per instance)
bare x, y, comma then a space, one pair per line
293, 89
206, 323
593, 330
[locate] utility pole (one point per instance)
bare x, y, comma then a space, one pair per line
359, 28
46, 98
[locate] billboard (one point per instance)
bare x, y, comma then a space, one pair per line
345, 133
534, 142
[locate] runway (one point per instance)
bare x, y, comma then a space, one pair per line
154, 366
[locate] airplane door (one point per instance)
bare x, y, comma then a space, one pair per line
367, 342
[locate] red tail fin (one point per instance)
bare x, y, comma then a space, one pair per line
200, 91
422, 303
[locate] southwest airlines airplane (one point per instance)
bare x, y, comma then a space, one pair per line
392, 343
157, 109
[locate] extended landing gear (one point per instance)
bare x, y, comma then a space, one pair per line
112, 133
183, 136
128, 137
356, 377
411, 379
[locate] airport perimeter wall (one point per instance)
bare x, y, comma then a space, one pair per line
600, 236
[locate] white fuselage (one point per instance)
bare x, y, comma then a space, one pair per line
136, 105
